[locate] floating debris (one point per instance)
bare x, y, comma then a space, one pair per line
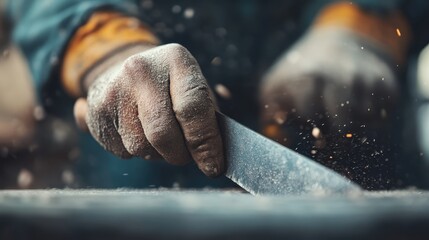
189, 13
176, 9
39, 113
398, 32
383, 113
68, 177
316, 132
280, 117
176, 186
25, 178
223, 91
216, 61
54, 60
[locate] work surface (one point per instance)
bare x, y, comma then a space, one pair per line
205, 214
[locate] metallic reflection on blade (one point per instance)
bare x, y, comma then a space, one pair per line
264, 167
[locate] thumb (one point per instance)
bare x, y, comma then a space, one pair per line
80, 111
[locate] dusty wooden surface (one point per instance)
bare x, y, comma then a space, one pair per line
205, 214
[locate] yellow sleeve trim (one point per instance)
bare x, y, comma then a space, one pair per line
391, 31
102, 34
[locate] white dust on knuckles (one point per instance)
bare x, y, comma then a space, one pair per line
118, 91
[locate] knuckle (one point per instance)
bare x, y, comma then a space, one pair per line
191, 108
133, 61
195, 101
176, 48
98, 113
159, 138
135, 147
178, 53
101, 102
135, 64
202, 142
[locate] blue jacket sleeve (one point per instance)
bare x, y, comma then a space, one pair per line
43, 28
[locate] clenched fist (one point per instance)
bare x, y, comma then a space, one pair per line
333, 97
156, 103
331, 73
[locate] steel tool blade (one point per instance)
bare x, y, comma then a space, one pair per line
264, 167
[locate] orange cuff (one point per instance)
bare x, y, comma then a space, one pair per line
102, 35
391, 31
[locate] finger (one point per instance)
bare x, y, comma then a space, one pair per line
80, 111
157, 117
195, 112
162, 129
132, 134
103, 128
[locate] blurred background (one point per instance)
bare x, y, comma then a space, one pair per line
26, 132
41, 149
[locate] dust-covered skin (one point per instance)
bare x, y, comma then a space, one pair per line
156, 102
331, 73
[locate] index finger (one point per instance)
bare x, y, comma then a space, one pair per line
195, 112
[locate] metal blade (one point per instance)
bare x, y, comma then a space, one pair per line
264, 167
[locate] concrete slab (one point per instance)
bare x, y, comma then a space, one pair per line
206, 214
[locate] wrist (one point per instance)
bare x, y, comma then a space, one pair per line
106, 39
110, 61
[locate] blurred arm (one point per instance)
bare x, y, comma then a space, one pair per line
43, 30
382, 22
104, 40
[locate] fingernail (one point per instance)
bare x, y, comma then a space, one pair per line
211, 169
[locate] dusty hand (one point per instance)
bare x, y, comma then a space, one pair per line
156, 102
333, 74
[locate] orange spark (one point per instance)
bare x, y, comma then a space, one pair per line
398, 32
